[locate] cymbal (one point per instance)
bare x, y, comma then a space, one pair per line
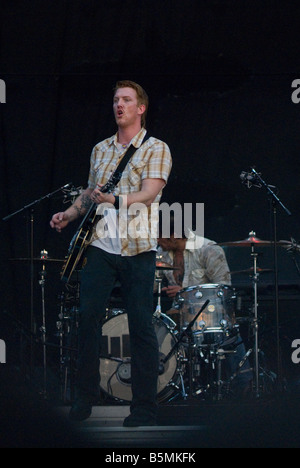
251, 271
36, 260
165, 266
251, 240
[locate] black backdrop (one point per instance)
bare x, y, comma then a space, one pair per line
219, 76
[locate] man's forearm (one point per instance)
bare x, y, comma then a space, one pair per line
80, 206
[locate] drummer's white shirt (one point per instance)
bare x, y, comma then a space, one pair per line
204, 263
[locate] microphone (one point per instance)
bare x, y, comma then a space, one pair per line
72, 193
249, 179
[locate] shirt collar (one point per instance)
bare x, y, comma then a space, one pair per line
136, 140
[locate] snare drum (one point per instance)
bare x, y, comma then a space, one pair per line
115, 368
216, 321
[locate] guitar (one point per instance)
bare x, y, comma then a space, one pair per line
83, 234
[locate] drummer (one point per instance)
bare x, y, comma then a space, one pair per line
197, 260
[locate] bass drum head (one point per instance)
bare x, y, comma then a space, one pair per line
115, 371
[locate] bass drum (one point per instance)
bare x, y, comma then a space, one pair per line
115, 370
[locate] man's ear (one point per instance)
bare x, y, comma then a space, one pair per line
142, 109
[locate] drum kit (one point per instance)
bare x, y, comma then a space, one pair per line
193, 350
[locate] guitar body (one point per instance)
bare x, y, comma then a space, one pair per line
78, 244
83, 234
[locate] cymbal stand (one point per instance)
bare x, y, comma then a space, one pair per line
42, 282
158, 279
254, 255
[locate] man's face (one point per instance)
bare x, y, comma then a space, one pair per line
126, 109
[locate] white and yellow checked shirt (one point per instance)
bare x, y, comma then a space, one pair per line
152, 160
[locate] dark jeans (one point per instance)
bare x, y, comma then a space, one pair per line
136, 275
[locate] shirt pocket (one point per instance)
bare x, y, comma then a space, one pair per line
134, 172
102, 172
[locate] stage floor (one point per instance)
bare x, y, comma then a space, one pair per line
29, 421
267, 423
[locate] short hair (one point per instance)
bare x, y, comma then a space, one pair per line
142, 96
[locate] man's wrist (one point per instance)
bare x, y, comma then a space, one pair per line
117, 202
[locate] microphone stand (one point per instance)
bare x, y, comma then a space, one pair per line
30, 207
275, 202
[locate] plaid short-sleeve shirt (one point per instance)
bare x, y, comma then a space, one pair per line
152, 160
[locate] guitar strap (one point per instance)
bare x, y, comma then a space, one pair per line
122, 164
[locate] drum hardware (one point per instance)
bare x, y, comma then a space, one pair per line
274, 202
158, 280
67, 327
213, 355
42, 281
187, 333
29, 208
250, 271
255, 278
252, 241
221, 356
37, 260
160, 266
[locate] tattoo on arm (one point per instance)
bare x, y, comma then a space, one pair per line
84, 203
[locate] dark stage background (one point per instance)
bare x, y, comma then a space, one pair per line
219, 75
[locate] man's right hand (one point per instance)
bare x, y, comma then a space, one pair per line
59, 221
172, 290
